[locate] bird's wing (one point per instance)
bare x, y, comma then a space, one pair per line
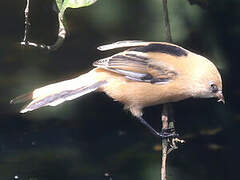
147, 47
136, 64
122, 44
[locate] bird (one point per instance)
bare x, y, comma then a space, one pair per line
142, 75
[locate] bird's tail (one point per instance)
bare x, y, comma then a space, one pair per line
57, 93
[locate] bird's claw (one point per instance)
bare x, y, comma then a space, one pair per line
168, 133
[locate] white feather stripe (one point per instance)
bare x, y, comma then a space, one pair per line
58, 98
72, 84
69, 98
54, 94
121, 44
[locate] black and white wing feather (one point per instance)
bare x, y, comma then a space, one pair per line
135, 64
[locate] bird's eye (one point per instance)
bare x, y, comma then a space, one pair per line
214, 88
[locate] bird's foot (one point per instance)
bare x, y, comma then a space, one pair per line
165, 133
168, 133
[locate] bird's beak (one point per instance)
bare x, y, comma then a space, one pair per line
220, 97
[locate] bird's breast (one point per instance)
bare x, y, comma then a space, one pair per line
142, 94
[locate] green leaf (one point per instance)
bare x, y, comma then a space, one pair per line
59, 4
77, 3
64, 4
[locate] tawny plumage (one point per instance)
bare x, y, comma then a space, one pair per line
146, 74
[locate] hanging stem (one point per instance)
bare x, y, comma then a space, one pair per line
61, 33
166, 107
168, 144
164, 141
27, 24
166, 21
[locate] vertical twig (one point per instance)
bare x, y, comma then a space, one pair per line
166, 21
167, 123
27, 23
164, 141
166, 107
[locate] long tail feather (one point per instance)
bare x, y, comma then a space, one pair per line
22, 98
54, 94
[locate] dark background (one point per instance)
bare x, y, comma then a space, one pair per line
91, 136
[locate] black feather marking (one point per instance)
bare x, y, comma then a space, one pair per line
162, 48
138, 57
147, 77
151, 79
159, 68
163, 71
159, 80
140, 77
128, 58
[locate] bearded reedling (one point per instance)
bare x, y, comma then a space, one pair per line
149, 73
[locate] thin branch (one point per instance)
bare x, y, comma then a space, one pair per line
166, 21
27, 24
61, 33
168, 144
167, 124
164, 141
166, 107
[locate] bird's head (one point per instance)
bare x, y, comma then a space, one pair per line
208, 80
